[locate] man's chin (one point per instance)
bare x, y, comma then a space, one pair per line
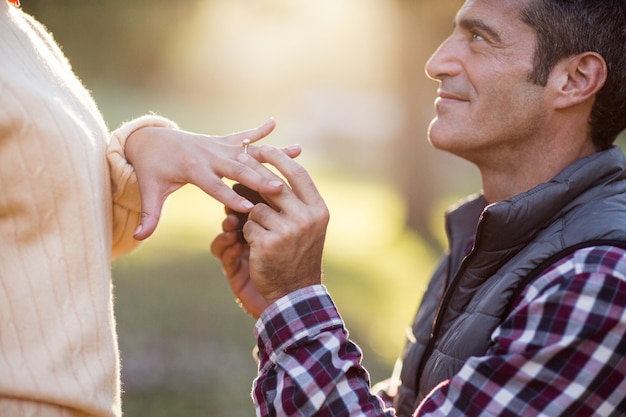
440, 137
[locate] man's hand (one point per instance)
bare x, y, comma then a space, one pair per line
285, 237
234, 256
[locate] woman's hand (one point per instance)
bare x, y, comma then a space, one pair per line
166, 159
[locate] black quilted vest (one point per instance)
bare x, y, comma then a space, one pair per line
471, 290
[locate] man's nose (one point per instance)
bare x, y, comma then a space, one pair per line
445, 61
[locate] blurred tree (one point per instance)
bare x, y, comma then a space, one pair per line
425, 24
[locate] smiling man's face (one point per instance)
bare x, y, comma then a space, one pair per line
486, 105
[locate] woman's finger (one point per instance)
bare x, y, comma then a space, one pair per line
252, 134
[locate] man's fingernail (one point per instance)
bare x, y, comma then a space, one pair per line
139, 229
247, 204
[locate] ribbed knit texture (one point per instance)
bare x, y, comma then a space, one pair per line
68, 202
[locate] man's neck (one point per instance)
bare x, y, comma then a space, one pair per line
505, 179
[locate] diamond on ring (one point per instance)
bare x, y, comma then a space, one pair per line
245, 143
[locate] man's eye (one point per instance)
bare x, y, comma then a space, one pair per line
477, 37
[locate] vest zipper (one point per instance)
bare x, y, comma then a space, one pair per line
437, 321
445, 301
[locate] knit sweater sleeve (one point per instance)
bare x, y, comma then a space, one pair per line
124, 186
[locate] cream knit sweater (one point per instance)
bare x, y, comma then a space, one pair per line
68, 203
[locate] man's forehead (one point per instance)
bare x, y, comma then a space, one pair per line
500, 14
504, 8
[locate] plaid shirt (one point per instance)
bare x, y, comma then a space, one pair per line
561, 352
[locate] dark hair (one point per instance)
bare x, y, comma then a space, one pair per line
568, 27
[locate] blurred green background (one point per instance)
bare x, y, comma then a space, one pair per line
345, 79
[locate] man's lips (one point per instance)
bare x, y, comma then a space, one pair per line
445, 99
447, 96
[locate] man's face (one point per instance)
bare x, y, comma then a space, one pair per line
487, 110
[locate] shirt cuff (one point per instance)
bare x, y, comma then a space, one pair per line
293, 320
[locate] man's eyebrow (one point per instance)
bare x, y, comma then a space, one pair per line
472, 24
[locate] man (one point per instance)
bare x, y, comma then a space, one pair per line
526, 313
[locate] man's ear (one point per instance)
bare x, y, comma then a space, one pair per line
578, 78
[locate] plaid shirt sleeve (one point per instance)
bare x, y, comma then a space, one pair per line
562, 352
307, 364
